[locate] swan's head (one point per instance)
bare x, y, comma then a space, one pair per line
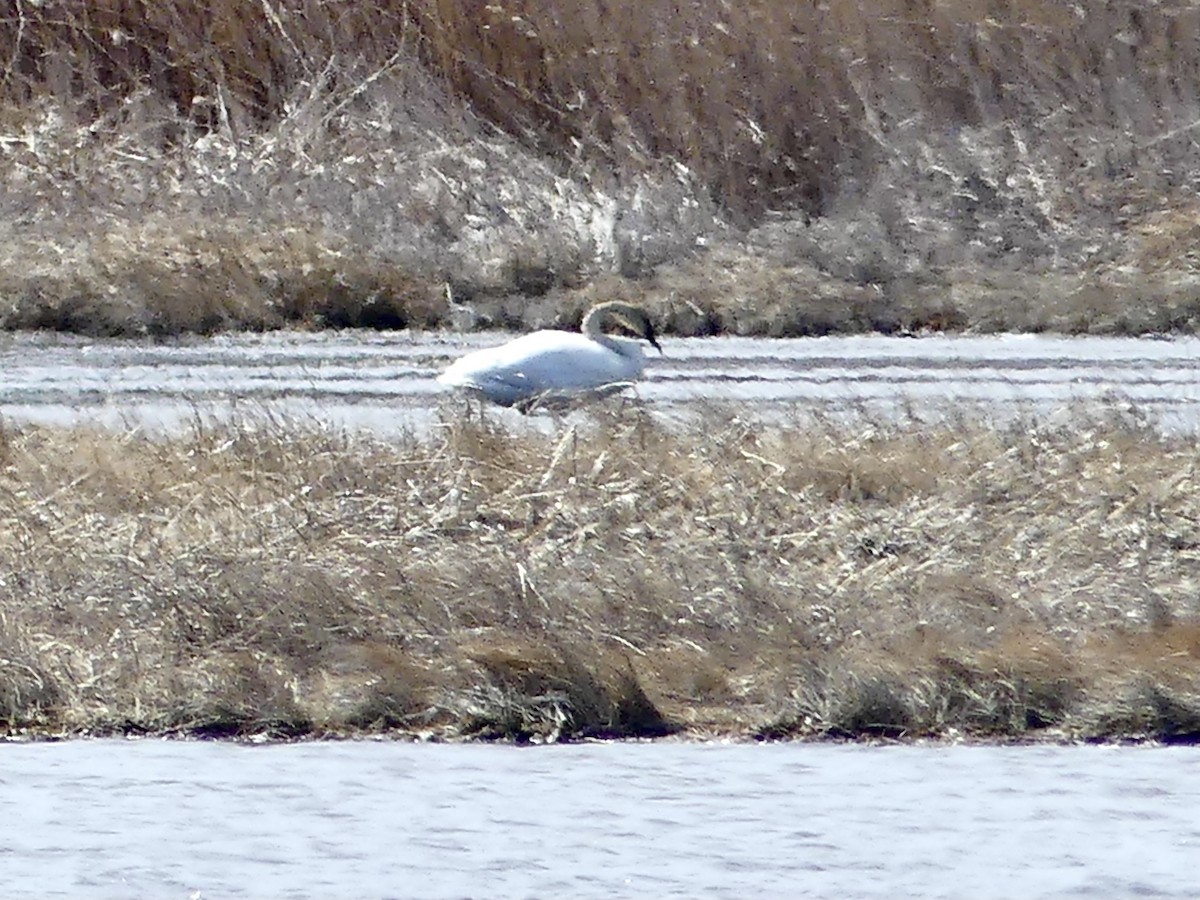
633, 318
642, 327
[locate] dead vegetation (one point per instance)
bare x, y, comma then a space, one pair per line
757, 167
613, 579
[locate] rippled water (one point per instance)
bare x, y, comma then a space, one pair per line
385, 381
153, 819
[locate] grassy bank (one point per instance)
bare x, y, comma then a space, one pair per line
756, 168
616, 579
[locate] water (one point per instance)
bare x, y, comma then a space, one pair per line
385, 381
154, 819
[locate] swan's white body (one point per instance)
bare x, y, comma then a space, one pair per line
557, 365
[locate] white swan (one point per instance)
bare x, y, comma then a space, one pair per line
558, 365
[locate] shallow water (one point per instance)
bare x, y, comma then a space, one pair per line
154, 819
385, 381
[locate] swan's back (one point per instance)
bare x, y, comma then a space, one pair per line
546, 362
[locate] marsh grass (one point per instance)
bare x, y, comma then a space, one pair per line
756, 168
612, 578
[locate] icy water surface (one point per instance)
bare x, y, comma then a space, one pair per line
385, 381
152, 819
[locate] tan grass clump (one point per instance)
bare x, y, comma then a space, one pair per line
164, 278
614, 578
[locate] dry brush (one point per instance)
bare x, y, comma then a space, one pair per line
615, 578
757, 167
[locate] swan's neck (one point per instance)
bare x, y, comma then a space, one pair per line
630, 348
593, 323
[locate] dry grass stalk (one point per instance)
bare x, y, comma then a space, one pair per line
798, 580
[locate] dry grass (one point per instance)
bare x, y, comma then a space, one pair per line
613, 579
756, 167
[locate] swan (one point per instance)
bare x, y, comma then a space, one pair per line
558, 365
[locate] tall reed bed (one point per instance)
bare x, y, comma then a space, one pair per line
756, 168
772, 104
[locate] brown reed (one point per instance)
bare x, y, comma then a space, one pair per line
764, 168
614, 578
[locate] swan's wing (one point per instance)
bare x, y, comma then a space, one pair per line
485, 373
545, 361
